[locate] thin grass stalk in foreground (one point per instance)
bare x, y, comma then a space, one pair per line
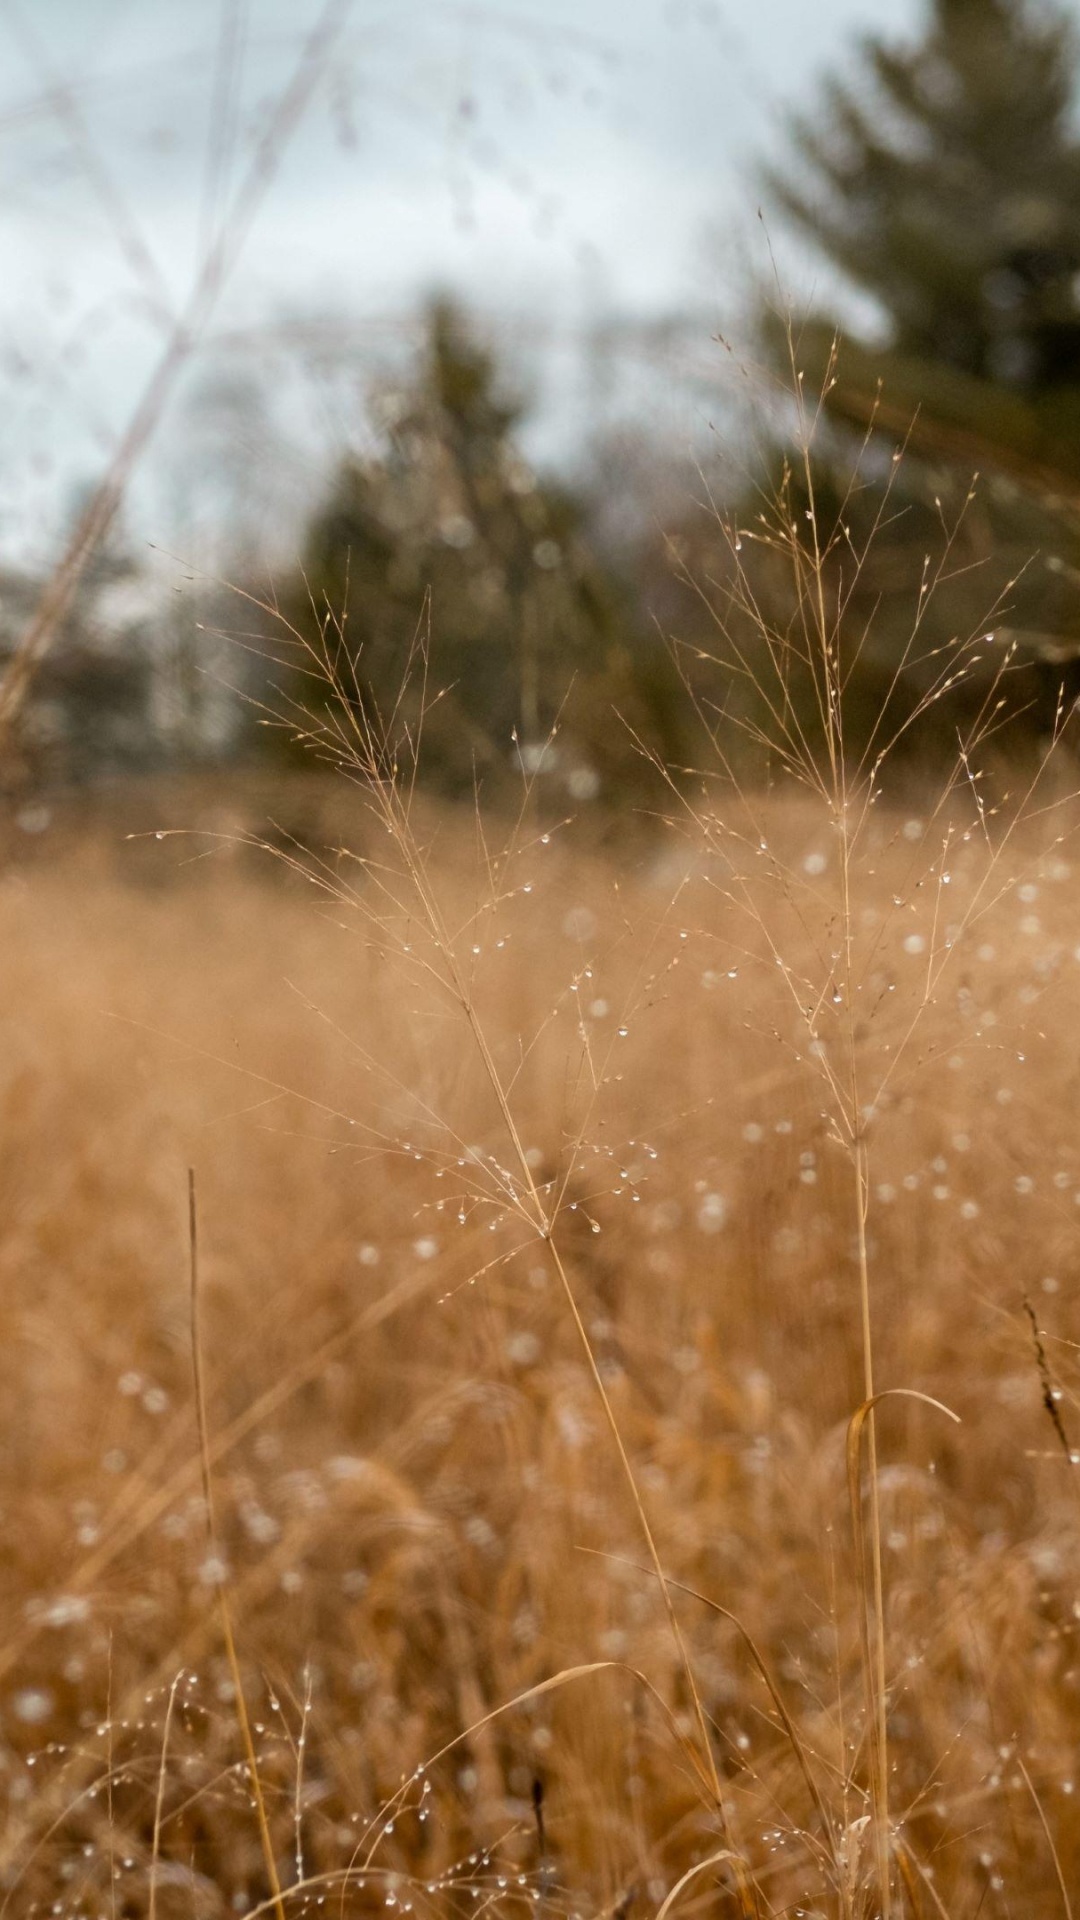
347, 735
797, 1746
800, 671
159, 1798
396, 817
217, 1565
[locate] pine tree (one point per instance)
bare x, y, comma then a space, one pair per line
944, 182
948, 187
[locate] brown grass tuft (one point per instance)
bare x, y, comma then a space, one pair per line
409, 1448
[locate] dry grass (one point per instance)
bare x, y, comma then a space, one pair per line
597, 1430
418, 1497
615, 1451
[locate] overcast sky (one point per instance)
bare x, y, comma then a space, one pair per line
550, 161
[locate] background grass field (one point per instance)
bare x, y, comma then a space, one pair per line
422, 1516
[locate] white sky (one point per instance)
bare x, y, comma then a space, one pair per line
551, 161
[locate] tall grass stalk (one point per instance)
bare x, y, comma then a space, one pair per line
383, 761
800, 675
218, 1574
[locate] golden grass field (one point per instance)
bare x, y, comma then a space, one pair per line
422, 1516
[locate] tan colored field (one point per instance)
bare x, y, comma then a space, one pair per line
415, 1478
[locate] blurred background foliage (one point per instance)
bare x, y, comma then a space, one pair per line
448, 574
942, 182
575, 623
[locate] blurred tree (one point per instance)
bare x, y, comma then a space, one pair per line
943, 181
946, 184
445, 531
91, 706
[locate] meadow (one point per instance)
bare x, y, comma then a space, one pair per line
533, 1247
539, 991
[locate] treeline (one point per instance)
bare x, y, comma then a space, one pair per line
527, 623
